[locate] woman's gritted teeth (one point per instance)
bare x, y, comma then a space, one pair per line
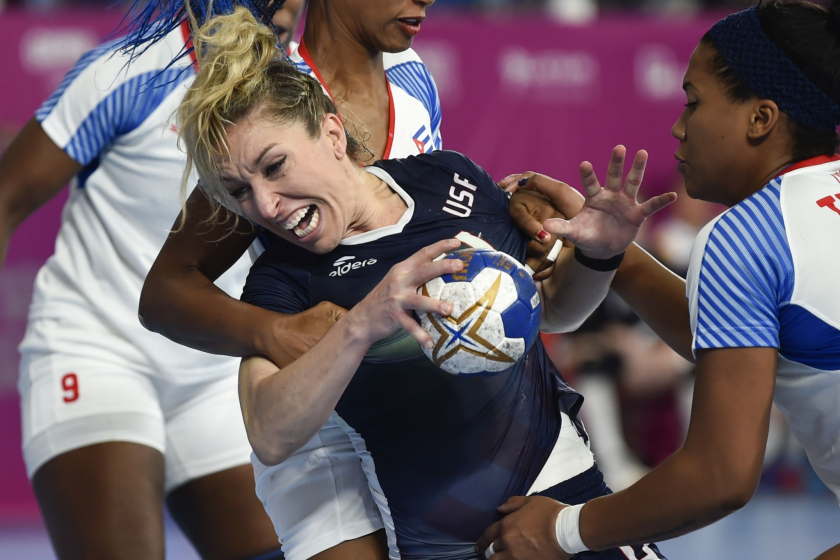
302, 222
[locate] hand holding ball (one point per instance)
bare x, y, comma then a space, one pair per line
495, 317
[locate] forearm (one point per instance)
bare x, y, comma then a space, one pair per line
571, 293
681, 495
285, 408
188, 308
657, 295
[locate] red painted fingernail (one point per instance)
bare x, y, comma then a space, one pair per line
543, 235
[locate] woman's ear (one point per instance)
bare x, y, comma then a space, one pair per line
764, 117
333, 130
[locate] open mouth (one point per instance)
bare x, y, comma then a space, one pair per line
411, 25
303, 222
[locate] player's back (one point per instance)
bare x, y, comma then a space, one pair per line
808, 382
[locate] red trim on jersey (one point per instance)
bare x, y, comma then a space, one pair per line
819, 160
304, 54
392, 118
185, 31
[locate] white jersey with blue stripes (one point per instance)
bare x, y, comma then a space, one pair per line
765, 274
415, 105
115, 119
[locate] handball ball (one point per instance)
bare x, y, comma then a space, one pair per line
495, 317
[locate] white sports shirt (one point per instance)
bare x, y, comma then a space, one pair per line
765, 274
115, 119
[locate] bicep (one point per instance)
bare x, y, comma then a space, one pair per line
730, 413
32, 170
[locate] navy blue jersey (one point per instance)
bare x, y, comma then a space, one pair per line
445, 450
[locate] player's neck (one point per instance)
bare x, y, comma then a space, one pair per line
377, 205
342, 61
767, 168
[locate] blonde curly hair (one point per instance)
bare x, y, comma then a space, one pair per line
242, 72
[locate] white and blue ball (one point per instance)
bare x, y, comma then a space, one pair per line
495, 317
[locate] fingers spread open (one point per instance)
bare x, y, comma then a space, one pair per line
590, 183
560, 228
413, 328
421, 274
428, 305
430, 252
615, 170
657, 203
637, 173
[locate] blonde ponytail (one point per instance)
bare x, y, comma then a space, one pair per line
233, 52
242, 72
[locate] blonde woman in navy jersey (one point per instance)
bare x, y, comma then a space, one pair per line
759, 313
437, 450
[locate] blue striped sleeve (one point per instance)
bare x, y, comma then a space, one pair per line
745, 276
122, 110
86, 60
417, 81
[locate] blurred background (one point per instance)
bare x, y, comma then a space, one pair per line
525, 85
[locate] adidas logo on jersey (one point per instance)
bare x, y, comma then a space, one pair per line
346, 264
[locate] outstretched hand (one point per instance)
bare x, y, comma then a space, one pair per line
611, 216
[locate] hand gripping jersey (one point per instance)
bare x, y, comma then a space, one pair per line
114, 118
441, 452
765, 274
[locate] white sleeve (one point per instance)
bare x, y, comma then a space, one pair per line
103, 97
409, 72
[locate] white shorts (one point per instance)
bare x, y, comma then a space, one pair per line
570, 457
320, 496
71, 400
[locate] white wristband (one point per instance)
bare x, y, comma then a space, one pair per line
568, 530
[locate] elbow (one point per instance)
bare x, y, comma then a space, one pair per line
734, 489
150, 305
735, 496
145, 310
270, 451
269, 457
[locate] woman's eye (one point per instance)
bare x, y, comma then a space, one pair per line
240, 192
273, 167
690, 104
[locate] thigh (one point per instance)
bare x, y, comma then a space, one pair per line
93, 441
209, 479
222, 517
104, 501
